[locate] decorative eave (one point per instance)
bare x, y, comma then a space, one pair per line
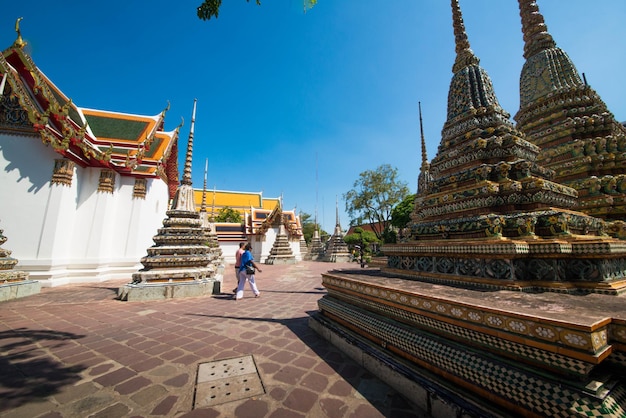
289, 219
64, 126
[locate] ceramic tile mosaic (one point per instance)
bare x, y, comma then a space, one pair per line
537, 393
525, 327
493, 343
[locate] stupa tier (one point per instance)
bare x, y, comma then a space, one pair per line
579, 137
281, 250
180, 243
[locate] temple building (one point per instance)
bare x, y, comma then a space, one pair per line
505, 297
261, 219
102, 184
263, 227
87, 209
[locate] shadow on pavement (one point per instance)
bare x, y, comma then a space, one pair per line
26, 372
386, 400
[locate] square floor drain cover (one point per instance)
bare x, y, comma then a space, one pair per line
226, 381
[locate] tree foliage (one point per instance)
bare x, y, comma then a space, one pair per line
211, 8
401, 213
228, 214
363, 240
309, 226
373, 197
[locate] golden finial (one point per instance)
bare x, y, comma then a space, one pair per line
181, 124
167, 108
19, 42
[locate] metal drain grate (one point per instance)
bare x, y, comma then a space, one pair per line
226, 381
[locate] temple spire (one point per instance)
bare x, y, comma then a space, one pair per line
203, 205
424, 177
424, 156
187, 172
337, 212
464, 54
534, 29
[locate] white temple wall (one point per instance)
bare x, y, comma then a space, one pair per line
268, 243
26, 197
66, 234
229, 248
295, 249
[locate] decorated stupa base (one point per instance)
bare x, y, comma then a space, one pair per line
528, 354
14, 283
170, 283
572, 264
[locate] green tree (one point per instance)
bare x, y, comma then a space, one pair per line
227, 214
211, 8
373, 197
401, 213
309, 226
362, 241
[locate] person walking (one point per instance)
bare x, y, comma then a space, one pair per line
247, 274
238, 255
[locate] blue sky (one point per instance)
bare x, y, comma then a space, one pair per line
298, 104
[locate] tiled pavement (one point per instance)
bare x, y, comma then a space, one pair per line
76, 351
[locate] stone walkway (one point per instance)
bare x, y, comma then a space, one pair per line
76, 351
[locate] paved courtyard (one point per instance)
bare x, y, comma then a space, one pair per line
76, 351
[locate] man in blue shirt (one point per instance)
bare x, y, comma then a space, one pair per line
247, 260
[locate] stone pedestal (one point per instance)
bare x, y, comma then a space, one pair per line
14, 283
168, 290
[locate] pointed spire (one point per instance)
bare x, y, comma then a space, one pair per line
187, 173
203, 205
424, 156
534, 29
464, 54
337, 212
424, 176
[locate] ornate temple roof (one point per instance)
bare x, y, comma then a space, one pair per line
260, 220
130, 144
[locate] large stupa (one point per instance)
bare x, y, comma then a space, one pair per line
580, 139
504, 300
